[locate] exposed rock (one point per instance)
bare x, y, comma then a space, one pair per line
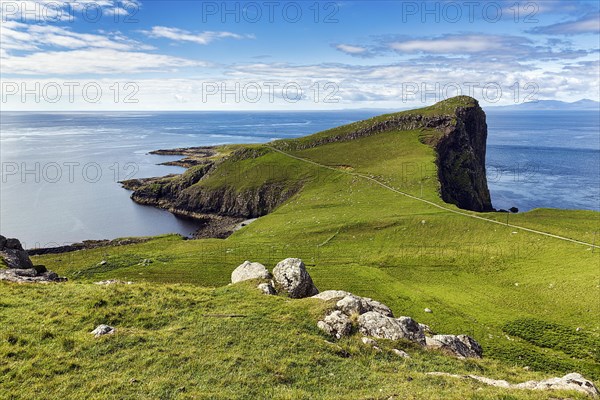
461, 346
291, 276
102, 330
383, 327
20, 268
352, 304
400, 353
572, 381
113, 282
336, 324
249, 270
426, 329
369, 341
331, 294
11, 251
27, 276
428, 310
86, 244
461, 159
267, 288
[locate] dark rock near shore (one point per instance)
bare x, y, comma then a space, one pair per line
20, 268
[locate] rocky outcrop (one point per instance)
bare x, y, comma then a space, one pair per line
290, 276
461, 160
85, 245
572, 381
20, 268
249, 270
13, 254
462, 346
336, 324
382, 327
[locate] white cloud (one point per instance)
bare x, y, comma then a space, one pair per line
450, 44
181, 35
93, 61
589, 23
351, 49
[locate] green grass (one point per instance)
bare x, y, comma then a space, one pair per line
172, 342
480, 278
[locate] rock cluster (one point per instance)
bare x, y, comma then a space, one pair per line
376, 320
289, 276
571, 381
20, 268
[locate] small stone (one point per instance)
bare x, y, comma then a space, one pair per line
369, 341
102, 330
400, 353
428, 310
103, 262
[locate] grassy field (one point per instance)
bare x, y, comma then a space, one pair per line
521, 295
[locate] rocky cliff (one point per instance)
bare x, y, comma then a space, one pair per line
455, 128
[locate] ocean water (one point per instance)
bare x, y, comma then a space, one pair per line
60, 171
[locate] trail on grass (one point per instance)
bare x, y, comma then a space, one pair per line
437, 205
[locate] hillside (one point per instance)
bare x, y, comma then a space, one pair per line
381, 208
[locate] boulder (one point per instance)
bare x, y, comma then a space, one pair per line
249, 270
11, 251
381, 326
267, 288
336, 324
102, 330
29, 275
461, 346
291, 276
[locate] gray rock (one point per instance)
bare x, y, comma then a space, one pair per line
267, 288
369, 341
400, 353
102, 330
373, 305
13, 254
291, 276
331, 294
381, 326
572, 381
461, 346
428, 310
249, 270
352, 304
29, 276
336, 324
113, 282
426, 329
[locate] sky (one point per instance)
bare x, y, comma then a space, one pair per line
294, 55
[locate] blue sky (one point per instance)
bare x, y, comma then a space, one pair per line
289, 55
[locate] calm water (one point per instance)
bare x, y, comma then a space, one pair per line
60, 171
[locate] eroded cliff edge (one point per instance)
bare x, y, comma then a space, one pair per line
215, 190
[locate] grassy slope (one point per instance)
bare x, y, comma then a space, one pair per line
479, 278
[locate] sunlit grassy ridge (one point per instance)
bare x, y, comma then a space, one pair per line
498, 284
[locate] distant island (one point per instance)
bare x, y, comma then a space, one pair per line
580, 105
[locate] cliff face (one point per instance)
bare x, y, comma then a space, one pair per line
461, 161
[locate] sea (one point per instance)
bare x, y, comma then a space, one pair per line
61, 171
